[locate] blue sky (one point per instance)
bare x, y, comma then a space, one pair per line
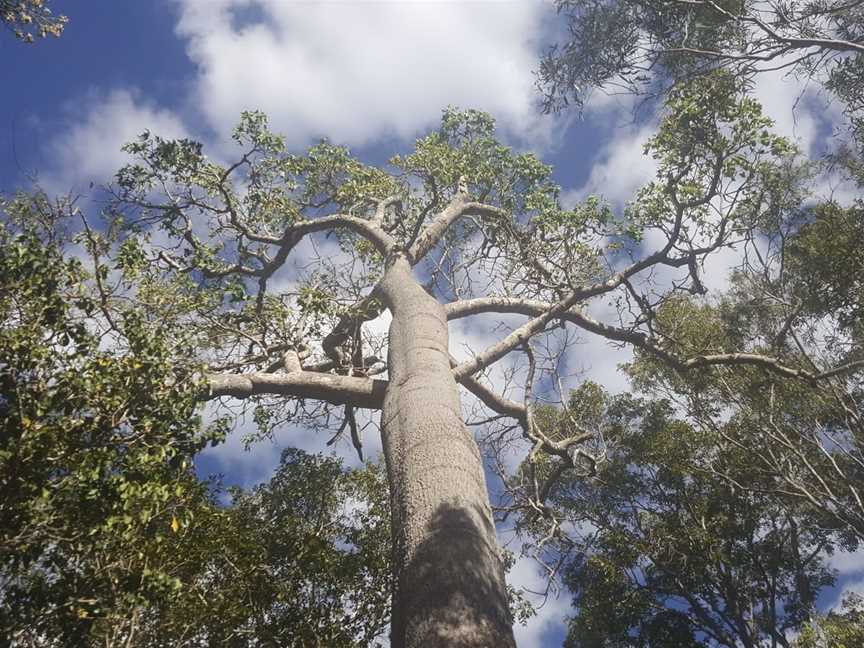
373, 76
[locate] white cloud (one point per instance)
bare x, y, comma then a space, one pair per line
796, 108
360, 71
803, 110
621, 168
848, 562
551, 611
850, 567
90, 151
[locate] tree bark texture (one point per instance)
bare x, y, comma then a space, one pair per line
450, 588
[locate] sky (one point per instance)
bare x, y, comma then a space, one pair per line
373, 76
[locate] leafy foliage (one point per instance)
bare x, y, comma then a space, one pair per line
302, 560
843, 628
672, 555
106, 534
639, 45
96, 443
826, 262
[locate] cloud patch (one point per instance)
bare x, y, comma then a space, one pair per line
358, 72
621, 169
90, 151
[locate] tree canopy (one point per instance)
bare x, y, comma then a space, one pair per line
715, 501
106, 534
690, 559
645, 46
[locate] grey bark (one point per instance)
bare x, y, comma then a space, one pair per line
450, 588
359, 392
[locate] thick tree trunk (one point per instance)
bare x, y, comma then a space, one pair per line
450, 587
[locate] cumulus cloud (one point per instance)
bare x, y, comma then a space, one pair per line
90, 150
621, 167
357, 72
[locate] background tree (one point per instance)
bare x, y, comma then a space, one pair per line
688, 559
841, 629
303, 560
96, 446
641, 46
793, 295
723, 508
416, 236
107, 537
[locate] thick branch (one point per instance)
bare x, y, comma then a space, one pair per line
382, 241
457, 208
337, 390
495, 402
516, 338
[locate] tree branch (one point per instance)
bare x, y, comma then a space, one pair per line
540, 310
338, 390
495, 402
457, 208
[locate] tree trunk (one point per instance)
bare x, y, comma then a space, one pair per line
450, 587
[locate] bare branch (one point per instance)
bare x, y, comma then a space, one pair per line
338, 390
543, 312
489, 398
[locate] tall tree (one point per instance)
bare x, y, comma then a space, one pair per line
462, 226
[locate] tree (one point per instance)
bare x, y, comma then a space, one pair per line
300, 561
28, 17
722, 506
794, 296
799, 296
107, 537
634, 46
411, 235
840, 629
689, 559
96, 446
